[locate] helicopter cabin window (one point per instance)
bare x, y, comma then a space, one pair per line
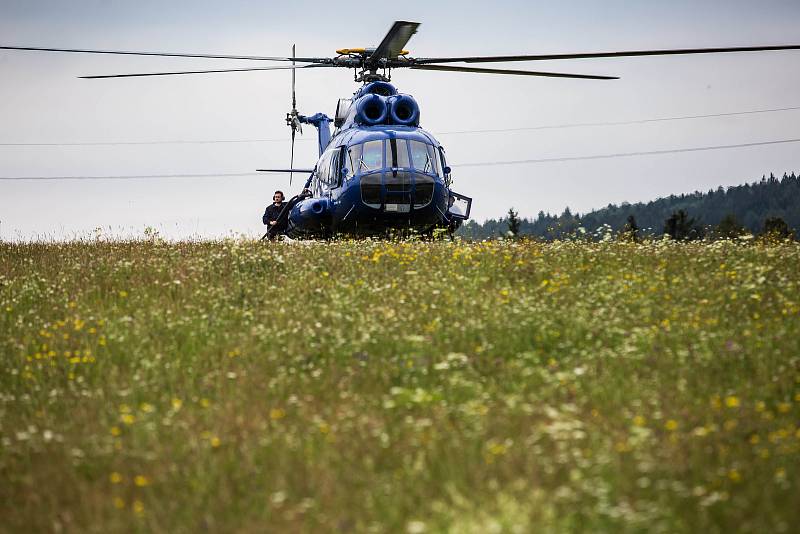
323, 167
434, 159
422, 157
371, 157
353, 159
334, 178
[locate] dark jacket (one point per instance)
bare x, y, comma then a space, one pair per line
272, 212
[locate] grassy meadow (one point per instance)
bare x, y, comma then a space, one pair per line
399, 386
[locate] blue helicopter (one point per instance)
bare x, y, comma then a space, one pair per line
379, 170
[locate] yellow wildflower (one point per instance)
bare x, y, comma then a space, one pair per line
639, 421
731, 401
127, 418
141, 481
277, 413
138, 507
115, 478
115, 431
671, 425
119, 503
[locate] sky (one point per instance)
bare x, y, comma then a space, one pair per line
51, 122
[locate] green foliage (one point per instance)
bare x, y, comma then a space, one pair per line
729, 228
751, 204
681, 227
630, 231
776, 228
513, 222
504, 386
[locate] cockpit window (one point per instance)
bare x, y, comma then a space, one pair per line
371, 157
422, 157
353, 160
434, 159
400, 153
400, 159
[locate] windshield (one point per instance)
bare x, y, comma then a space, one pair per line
422, 157
400, 154
371, 157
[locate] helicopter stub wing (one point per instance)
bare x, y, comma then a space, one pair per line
284, 170
394, 41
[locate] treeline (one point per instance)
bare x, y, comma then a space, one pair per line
746, 207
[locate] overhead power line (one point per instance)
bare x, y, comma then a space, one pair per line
165, 142
475, 164
455, 132
134, 176
622, 123
626, 154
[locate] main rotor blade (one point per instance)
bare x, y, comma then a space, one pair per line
589, 55
166, 54
199, 72
514, 72
394, 41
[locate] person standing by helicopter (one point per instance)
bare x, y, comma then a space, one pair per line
273, 211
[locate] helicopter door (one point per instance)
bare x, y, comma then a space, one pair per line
459, 206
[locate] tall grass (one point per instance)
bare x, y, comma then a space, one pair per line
399, 386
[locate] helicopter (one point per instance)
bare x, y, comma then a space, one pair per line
379, 171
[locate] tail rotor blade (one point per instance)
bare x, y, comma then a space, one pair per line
294, 116
291, 160
294, 99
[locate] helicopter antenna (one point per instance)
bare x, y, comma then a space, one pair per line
292, 119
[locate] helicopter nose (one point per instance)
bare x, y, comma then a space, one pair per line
397, 188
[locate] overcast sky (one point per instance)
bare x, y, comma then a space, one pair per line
42, 101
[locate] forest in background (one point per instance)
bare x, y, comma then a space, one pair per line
750, 205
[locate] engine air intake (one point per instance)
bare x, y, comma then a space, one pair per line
371, 110
403, 110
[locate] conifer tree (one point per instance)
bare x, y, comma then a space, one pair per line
776, 228
513, 222
729, 227
631, 230
681, 227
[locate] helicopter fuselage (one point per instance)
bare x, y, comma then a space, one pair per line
374, 178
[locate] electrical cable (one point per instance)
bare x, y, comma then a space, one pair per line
621, 123
134, 177
455, 132
626, 154
475, 164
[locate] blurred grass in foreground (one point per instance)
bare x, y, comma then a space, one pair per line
385, 386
